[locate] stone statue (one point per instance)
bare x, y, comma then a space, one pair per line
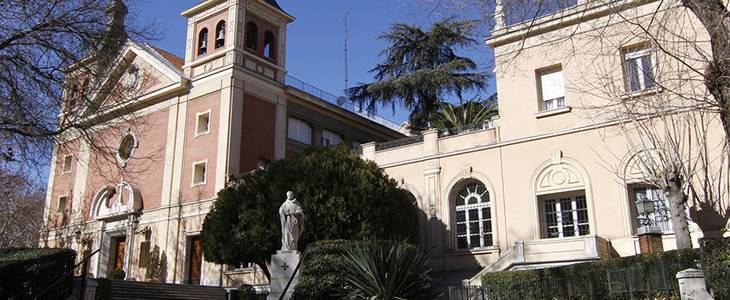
292, 222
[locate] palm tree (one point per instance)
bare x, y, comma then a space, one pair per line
419, 68
470, 113
387, 270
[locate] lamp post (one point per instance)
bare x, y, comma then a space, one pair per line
644, 209
650, 236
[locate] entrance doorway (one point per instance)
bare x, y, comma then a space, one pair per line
195, 260
116, 259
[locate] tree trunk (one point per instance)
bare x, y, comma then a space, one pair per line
676, 198
715, 17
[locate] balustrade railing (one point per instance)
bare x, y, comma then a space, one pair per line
399, 142
463, 129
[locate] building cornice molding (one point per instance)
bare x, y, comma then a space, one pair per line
564, 18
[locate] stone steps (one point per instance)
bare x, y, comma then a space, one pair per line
131, 290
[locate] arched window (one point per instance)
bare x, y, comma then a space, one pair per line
203, 42
252, 36
269, 45
473, 211
220, 34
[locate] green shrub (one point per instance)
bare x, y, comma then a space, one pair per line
117, 274
646, 275
247, 292
103, 289
320, 276
388, 270
25, 273
716, 265
343, 197
323, 272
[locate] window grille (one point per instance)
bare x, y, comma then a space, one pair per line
473, 211
566, 217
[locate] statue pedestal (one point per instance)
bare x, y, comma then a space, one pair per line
283, 264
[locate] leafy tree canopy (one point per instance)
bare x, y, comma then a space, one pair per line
419, 68
343, 197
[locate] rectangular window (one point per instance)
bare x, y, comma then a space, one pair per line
330, 138
62, 202
202, 126
552, 88
67, 160
300, 131
200, 170
565, 217
639, 70
659, 216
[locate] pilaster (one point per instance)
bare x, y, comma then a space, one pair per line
280, 128
224, 132
236, 127
79, 189
435, 208
49, 189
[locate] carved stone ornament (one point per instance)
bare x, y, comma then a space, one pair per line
116, 202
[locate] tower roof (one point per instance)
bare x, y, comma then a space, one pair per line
207, 3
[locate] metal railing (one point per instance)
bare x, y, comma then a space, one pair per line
84, 273
341, 101
399, 142
463, 129
640, 282
552, 104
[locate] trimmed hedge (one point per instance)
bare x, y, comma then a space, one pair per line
646, 275
716, 265
25, 273
320, 272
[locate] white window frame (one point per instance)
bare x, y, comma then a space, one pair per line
331, 133
573, 209
466, 207
295, 135
198, 132
193, 183
61, 209
554, 103
66, 168
633, 53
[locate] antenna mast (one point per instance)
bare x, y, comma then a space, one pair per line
347, 38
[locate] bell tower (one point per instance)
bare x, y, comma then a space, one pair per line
246, 33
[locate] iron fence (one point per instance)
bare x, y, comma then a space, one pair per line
641, 282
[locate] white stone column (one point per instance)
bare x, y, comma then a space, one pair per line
692, 285
499, 16
368, 151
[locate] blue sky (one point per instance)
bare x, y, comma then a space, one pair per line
315, 41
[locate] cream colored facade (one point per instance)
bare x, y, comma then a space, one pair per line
534, 160
527, 158
227, 108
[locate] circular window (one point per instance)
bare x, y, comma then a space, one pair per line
126, 147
